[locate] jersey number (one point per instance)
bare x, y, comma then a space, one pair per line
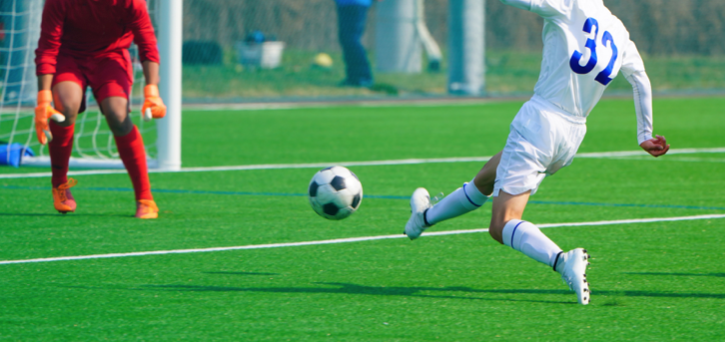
602, 77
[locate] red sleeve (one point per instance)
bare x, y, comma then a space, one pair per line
143, 32
51, 29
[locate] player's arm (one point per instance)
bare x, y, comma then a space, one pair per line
51, 30
633, 70
145, 39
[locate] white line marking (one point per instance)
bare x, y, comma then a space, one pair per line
618, 154
348, 240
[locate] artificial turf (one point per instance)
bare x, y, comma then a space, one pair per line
650, 281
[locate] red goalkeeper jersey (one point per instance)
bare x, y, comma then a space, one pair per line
93, 29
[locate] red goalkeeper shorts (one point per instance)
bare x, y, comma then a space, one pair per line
108, 75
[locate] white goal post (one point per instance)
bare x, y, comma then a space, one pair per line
93, 146
170, 17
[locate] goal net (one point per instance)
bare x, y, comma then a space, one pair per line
94, 146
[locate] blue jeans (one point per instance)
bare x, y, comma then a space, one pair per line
351, 26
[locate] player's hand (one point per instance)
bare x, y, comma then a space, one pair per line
43, 112
153, 106
657, 146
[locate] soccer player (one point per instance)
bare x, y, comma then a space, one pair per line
85, 43
585, 47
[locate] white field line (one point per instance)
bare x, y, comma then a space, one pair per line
349, 240
676, 159
618, 154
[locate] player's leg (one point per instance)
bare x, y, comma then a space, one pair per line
351, 27
506, 224
129, 143
67, 99
469, 197
111, 81
539, 144
508, 228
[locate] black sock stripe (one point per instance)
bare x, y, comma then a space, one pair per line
425, 219
556, 261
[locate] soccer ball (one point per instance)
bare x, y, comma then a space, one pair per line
335, 193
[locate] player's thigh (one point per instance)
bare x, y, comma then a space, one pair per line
112, 77
68, 87
522, 165
485, 178
506, 207
68, 99
569, 142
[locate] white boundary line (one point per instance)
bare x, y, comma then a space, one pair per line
349, 240
618, 154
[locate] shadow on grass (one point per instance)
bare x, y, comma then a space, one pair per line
344, 288
677, 274
66, 215
244, 273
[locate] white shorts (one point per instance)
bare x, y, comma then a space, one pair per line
543, 139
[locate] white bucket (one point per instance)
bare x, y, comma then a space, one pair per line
267, 55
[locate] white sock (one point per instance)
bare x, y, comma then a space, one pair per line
527, 238
459, 202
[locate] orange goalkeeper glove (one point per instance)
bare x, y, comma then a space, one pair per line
43, 112
153, 106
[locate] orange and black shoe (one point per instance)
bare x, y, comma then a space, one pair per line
62, 198
146, 209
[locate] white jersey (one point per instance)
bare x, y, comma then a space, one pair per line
585, 47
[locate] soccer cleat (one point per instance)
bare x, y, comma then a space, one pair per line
573, 271
63, 201
146, 209
419, 203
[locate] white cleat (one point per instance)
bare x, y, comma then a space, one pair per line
419, 203
573, 272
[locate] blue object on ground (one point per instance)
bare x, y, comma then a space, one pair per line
12, 154
365, 3
255, 37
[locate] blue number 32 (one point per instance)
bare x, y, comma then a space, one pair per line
602, 77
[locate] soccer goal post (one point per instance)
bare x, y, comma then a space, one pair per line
93, 145
466, 75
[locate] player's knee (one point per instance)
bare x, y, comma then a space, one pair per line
69, 107
120, 126
118, 121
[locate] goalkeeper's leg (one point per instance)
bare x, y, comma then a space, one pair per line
67, 98
131, 150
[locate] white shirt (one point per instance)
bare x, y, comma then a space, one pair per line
585, 47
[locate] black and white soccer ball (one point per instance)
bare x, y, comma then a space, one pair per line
335, 193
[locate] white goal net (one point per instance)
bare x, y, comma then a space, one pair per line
94, 145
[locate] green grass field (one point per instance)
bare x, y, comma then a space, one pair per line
662, 280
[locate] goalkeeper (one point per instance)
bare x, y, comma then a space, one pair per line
85, 43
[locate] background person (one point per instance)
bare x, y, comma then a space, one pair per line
351, 20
